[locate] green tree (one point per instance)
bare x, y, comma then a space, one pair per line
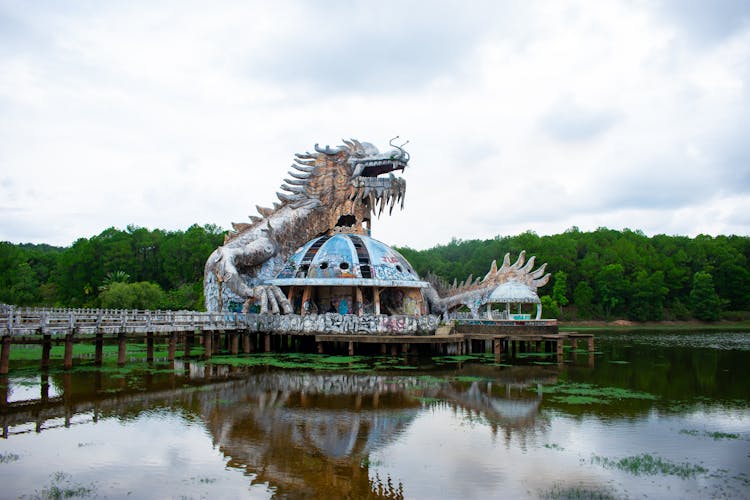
141, 295
703, 297
583, 297
560, 289
549, 307
611, 286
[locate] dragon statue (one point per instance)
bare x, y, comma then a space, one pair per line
332, 188
476, 293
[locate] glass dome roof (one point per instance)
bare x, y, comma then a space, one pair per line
347, 260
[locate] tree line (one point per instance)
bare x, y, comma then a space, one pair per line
607, 273
133, 268
600, 274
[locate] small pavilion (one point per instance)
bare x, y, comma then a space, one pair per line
514, 292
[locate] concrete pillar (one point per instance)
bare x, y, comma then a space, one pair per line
5, 355
235, 341
376, 300
574, 343
68, 358
46, 349
150, 347
591, 344
189, 338
121, 348
319, 346
405, 348
172, 346
98, 349
267, 342
247, 346
497, 347
208, 344
394, 350
4, 389
351, 348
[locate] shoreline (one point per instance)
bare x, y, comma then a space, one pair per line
626, 325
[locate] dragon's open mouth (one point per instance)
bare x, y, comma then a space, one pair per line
379, 167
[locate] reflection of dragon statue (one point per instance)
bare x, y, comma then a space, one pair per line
330, 188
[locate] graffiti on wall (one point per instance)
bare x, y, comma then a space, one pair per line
332, 323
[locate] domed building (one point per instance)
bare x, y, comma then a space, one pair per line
349, 273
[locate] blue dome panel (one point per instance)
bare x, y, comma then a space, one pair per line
347, 259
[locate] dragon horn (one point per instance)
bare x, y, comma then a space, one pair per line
327, 150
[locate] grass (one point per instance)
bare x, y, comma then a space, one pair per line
603, 326
650, 465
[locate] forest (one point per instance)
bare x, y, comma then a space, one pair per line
601, 274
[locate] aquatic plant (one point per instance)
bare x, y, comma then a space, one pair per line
650, 465
580, 393
563, 492
61, 486
6, 458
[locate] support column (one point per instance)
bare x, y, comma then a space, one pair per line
189, 338
497, 347
383, 349
44, 386
360, 302
150, 347
5, 355
235, 341
46, 349
591, 344
121, 348
351, 348
319, 346
394, 350
404, 348
4, 390
574, 343
306, 301
99, 349
208, 338
68, 359
246, 344
172, 346
267, 342
376, 300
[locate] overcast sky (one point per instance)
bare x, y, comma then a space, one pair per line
520, 115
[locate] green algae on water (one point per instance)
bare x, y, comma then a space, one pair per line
583, 394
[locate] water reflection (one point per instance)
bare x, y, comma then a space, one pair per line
303, 433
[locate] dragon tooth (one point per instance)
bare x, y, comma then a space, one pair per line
468, 280
255, 218
455, 283
240, 226
276, 206
519, 262
492, 272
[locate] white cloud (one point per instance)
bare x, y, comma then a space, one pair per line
537, 117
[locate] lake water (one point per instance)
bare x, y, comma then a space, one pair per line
658, 415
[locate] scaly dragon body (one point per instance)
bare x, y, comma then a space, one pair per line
330, 189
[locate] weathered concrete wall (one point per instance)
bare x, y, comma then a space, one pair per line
483, 327
331, 323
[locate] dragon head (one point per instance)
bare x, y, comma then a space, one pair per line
354, 181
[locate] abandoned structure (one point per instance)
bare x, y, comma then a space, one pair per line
311, 263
